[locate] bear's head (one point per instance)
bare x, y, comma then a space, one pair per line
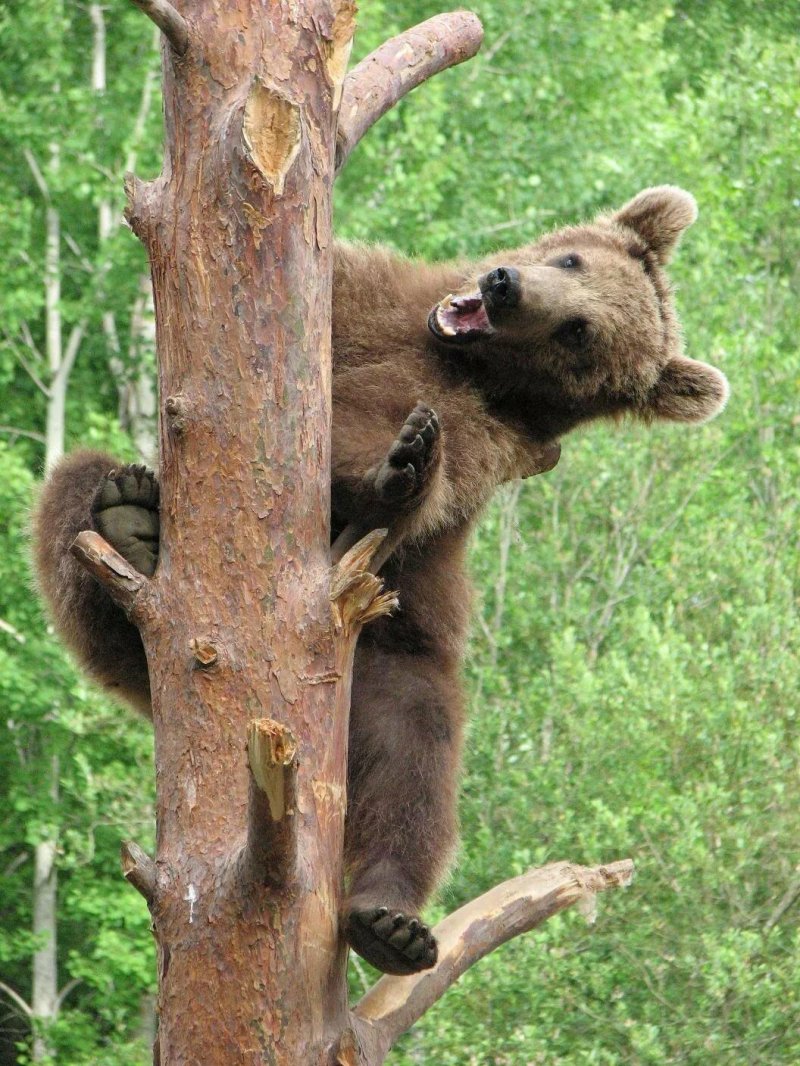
582, 323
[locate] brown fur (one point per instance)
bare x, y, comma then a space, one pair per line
501, 398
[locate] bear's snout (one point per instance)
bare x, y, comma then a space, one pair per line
501, 288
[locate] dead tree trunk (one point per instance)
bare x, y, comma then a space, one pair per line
249, 632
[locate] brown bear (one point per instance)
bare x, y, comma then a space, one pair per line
448, 381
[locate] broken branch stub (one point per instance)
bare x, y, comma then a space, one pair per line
129, 589
138, 869
271, 751
271, 847
356, 593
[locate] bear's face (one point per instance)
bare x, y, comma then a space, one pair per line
583, 320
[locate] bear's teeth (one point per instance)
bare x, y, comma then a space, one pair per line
446, 329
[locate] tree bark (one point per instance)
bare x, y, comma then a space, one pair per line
237, 621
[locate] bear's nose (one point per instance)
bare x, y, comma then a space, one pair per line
501, 287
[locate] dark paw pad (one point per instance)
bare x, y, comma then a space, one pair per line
392, 941
125, 513
411, 459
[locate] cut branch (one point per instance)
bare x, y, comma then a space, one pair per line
397, 67
517, 906
173, 25
271, 829
127, 587
138, 869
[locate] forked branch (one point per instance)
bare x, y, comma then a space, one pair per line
517, 906
397, 67
171, 23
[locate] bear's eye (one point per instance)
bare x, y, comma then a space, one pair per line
569, 262
573, 334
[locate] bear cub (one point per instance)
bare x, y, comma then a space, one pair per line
448, 380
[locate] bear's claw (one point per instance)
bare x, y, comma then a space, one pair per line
125, 513
393, 942
404, 473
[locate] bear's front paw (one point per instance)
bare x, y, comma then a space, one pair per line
125, 513
405, 472
393, 942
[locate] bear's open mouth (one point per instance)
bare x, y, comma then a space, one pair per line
460, 317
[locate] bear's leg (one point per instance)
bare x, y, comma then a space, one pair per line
97, 631
405, 739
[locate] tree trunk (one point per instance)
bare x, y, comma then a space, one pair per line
237, 622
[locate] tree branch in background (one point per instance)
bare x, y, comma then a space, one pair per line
38, 177
397, 67
65, 991
515, 907
16, 999
15, 431
169, 21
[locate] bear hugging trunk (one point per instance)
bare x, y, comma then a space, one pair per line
448, 380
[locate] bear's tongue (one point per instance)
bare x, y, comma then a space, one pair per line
462, 314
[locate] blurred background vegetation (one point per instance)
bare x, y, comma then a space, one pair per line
634, 664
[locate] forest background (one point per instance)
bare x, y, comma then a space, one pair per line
633, 673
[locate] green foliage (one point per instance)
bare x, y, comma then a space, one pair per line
633, 672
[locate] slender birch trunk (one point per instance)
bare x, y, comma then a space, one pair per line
44, 997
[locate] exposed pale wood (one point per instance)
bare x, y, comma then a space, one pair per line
126, 586
272, 809
356, 593
398, 66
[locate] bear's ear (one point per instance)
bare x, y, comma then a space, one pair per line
688, 391
659, 216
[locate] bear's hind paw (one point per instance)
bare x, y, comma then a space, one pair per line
391, 941
125, 513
